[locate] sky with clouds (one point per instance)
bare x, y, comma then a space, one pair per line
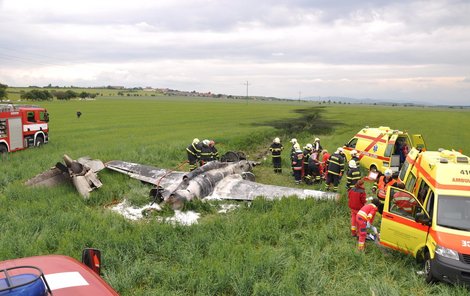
402, 50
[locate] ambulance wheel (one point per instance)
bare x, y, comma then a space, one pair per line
39, 141
373, 168
427, 269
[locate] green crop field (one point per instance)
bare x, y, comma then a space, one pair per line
285, 247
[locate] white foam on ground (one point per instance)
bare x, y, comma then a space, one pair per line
131, 212
225, 208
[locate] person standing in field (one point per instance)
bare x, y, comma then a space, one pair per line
324, 163
79, 114
382, 184
356, 200
335, 170
276, 149
355, 157
314, 167
194, 153
365, 218
353, 175
298, 164
308, 149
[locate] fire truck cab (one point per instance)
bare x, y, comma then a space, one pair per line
430, 218
382, 148
22, 127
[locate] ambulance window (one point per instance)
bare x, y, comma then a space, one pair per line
352, 143
410, 183
403, 203
430, 204
422, 191
31, 117
403, 170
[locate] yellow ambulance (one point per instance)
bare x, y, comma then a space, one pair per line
382, 148
430, 217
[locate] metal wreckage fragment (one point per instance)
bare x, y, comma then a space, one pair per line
82, 173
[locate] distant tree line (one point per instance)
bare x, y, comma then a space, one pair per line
45, 95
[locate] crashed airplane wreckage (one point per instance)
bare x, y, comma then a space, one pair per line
82, 173
214, 180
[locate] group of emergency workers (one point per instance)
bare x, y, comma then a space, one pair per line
200, 153
314, 164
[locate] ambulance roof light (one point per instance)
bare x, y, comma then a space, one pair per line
462, 159
444, 160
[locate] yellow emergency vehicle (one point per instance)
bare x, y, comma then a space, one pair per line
430, 217
382, 148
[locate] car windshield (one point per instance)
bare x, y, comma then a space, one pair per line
454, 212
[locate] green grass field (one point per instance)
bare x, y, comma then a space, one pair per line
286, 247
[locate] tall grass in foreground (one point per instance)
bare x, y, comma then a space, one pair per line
286, 247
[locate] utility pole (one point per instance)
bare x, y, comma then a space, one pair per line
300, 94
247, 84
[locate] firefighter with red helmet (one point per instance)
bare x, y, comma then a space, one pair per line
382, 184
365, 218
276, 149
194, 152
356, 200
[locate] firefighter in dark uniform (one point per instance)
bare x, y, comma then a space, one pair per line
194, 152
276, 149
355, 157
298, 164
308, 149
206, 153
214, 152
335, 170
353, 175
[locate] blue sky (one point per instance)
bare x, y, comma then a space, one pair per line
386, 50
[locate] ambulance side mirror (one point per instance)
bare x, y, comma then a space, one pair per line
92, 258
423, 219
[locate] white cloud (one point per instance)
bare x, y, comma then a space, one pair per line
382, 49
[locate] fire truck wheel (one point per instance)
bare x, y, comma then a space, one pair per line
3, 149
427, 269
39, 142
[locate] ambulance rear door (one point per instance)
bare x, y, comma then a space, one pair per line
418, 142
394, 162
398, 229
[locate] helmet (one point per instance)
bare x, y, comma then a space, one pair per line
340, 149
353, 152
352, 164
309, 146
206, 142
293, 141
277, 140
388, 173
317, 139
196, 141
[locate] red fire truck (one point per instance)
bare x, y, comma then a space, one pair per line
22, 126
